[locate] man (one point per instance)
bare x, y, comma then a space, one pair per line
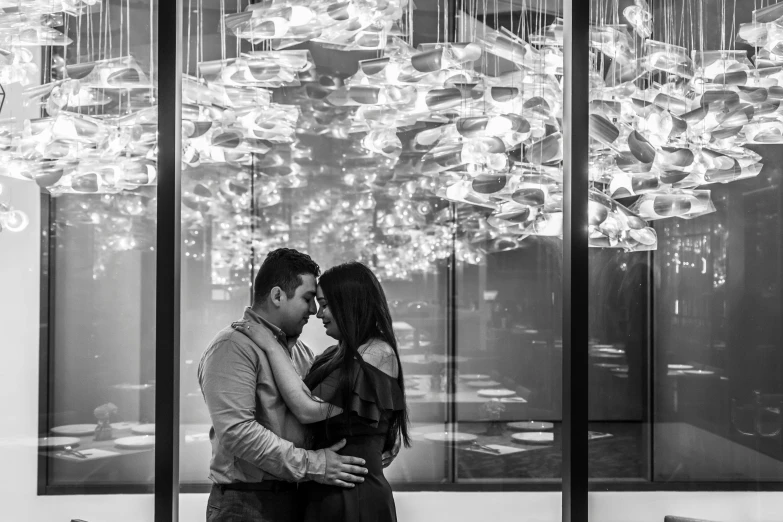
258, 454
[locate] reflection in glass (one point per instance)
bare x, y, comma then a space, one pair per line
93, 151
411, 161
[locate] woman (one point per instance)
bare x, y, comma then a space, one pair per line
354, 390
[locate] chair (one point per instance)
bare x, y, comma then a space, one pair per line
761, 417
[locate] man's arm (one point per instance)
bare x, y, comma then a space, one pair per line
227, 377
228, 382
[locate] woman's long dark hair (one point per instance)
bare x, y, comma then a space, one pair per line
358, 305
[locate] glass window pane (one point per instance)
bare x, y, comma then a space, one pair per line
390, 147
718, 388
685, 368
96, 160
619, 318
77, 232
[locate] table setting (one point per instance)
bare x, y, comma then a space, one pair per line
429, 395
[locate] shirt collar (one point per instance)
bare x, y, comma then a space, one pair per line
253, 316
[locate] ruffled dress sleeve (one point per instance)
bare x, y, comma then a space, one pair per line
373, 392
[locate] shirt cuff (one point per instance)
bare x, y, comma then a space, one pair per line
316, 465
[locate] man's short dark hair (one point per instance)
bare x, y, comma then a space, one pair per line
283, 267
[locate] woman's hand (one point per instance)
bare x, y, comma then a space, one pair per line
257, 333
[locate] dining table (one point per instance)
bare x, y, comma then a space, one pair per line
615, 451
476, 397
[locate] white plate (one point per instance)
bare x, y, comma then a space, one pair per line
473, 376
197, 437
139, 442
699, 372
606, 365
57, 442
496, 393
123, 425
451, 436
415, 358
132, 387
75, 430
615, 351
620, 369
402, 326
530, 426
680, 366
144, 429
415, 393
513, 400
534, 437
443, 359
420, 358
604, 355
483, 384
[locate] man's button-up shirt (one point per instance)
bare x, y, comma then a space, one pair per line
254, 436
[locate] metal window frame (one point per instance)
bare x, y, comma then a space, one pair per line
168, 262
576, 143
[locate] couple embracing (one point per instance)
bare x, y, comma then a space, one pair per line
297, 437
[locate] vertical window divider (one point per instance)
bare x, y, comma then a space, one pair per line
576, 66
46, 336
648, 381
450, 35
167, 336
47, 332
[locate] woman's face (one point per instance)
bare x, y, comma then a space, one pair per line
325, 315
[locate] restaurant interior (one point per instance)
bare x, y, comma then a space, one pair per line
426, 140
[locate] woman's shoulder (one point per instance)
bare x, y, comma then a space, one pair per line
379, 354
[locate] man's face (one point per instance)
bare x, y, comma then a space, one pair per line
296, 311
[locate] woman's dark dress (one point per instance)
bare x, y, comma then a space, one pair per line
375, 397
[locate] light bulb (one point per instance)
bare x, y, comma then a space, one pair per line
14, 220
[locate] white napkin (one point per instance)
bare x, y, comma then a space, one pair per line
89, 454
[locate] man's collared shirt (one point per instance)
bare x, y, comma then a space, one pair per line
254, 436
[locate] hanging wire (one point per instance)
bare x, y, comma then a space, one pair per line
201, 31
410, 22
152, 52
78, 39
437, 33
222, 30
122, 24
733, 41
100, 33
128, 26
190, 43
89, 36
223, 25
109, 34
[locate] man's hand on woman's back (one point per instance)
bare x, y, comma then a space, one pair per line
341, 470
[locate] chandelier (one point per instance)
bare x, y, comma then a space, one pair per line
425, 151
